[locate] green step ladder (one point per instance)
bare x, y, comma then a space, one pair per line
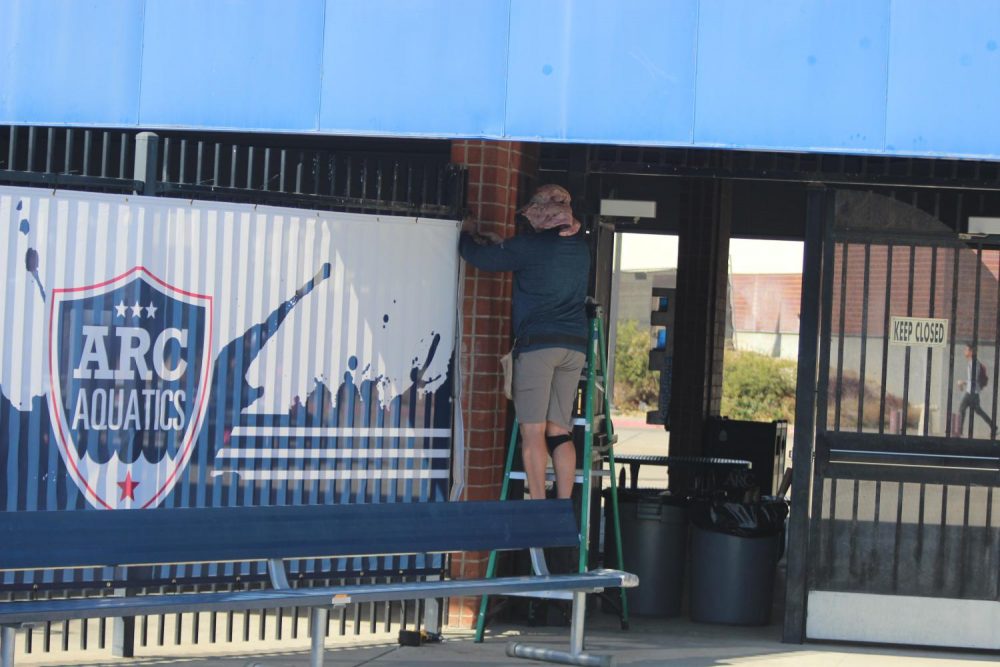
594, 372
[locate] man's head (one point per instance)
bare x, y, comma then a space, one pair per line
970, 350
549, 208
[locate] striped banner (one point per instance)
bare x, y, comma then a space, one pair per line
164, 353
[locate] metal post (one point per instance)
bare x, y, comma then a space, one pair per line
147, 151
317, 626
7, 635
122, 629
805, 406
576, 622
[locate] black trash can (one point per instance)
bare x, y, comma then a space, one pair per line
735, 549
654, 538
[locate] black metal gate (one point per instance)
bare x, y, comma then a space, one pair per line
904, 534
361, 176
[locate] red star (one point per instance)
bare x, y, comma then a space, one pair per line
128, 486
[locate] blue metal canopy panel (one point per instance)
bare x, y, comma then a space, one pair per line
435, 68
70, 63
792, 75
588, 69
232, 64
944, 78
920, 77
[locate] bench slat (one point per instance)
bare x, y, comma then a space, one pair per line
133, 537
34, 611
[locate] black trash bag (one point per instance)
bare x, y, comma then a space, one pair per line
762, 518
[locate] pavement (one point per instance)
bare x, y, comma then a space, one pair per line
650, 642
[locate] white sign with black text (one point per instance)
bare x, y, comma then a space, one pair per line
918, 331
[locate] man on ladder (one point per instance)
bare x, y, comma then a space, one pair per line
551, 270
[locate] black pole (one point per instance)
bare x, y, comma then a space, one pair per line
805, 415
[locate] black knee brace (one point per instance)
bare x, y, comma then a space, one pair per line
553, 441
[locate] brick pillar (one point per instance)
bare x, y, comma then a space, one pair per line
702, 292
500, 177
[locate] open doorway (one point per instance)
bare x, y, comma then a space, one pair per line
762, 329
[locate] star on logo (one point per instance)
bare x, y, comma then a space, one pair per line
136, 310
120, 309
150, 309
128, 486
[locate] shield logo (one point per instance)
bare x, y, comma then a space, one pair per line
129, 367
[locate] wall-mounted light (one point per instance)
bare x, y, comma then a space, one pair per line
628, 208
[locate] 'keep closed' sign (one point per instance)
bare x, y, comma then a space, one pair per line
918, 331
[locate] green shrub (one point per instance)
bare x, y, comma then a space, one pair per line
636, 387
756, 387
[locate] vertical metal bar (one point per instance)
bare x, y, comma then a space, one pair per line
12, 148
930, 350
267, 177
964, 545
182, 168
831, 541
68, 150
841, 332
939, 562
7, 637
216, 166
50, 145
144, 169
195, 626
364, 178
873, 548
818, 210
864, 339
852, 539
348, 176
316, 172
281, 179
233, 152
951, 343
200, 157
317, 628
250, 168
32, 132
577, 623
123, 156
885, 337
88, 141
996, 356
898, 535
298, 172
975, 331
333, 174
105, 152
165, 172
906, 352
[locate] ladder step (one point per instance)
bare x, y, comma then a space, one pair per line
551, 476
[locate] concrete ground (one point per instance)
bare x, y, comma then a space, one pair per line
649, 643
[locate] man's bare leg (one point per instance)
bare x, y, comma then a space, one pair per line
535, 457
563, 461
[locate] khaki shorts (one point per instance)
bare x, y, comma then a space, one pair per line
545, 385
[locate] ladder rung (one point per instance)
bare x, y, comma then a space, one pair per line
551, 476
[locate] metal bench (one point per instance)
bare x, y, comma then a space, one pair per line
75, 539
